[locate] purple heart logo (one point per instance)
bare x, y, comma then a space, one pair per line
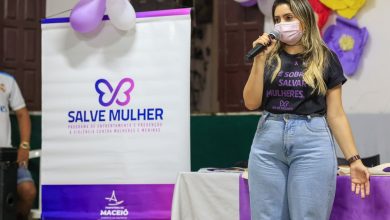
114, 93
283, 104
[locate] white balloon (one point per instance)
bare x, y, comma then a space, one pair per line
121, 13
265, 7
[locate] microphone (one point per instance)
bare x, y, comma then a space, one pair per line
259, 47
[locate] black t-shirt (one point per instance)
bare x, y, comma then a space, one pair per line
288, 93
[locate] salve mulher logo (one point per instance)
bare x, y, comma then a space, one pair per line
112, 113
123, 90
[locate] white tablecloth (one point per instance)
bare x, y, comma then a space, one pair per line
206, 196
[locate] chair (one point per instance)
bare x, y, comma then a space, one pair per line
342, 162
242, 164
8, 167
371, 161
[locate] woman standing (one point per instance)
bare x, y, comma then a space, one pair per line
297, 82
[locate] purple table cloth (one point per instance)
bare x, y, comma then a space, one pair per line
349, 206
244, 199
346, 204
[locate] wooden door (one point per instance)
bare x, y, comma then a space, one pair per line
238, 27
20, 45
150, 5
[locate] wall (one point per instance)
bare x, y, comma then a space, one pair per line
365, 96
366, 92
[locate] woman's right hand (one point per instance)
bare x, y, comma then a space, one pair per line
265, 40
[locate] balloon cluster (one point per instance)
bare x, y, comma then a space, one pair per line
87, 15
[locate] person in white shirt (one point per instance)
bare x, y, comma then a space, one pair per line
11, 98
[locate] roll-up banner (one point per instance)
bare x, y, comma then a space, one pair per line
115, 117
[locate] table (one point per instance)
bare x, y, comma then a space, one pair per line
206, 196
226, 196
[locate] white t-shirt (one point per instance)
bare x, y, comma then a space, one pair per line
10, 97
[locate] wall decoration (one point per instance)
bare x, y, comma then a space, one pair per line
348, 40
345, 8
321, 11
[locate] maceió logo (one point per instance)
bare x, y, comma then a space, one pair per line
114, 208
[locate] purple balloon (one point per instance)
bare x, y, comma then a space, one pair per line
249, 3
87, 15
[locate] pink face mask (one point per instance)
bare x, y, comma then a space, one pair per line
290, 32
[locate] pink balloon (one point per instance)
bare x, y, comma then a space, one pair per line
87, 15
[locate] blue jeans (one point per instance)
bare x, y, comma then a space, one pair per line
292, 168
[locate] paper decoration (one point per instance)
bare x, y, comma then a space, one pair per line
347, 40
322, 12
345, 8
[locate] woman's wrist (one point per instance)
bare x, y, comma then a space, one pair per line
353, 159
25, 145
260, 58
356, 163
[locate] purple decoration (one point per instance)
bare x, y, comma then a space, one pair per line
347, 29
247, 3
87, 15
347, 205
387, 169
